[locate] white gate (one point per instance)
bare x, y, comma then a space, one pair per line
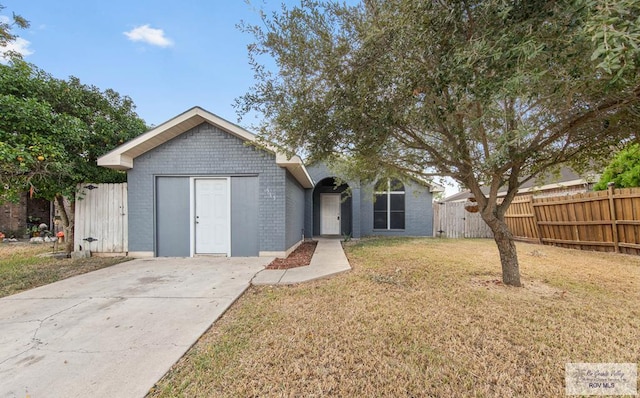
101, 219
451, 220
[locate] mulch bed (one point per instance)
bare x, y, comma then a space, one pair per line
298, 258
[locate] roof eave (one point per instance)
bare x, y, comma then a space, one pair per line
122, 157
433, 187
295, 166
116, 161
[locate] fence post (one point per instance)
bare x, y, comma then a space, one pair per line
612, 211
436, 219
535, 220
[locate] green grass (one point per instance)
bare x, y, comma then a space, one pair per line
25, 266
421, 318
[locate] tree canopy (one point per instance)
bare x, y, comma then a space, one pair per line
6, 35
52, 131
623, 171
488, 92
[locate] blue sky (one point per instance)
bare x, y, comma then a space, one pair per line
168, 56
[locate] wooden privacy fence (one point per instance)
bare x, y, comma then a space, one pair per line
451, 220
602, 220
101, 219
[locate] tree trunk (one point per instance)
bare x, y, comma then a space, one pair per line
507, 248
67, 210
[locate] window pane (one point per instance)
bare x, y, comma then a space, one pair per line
380, 220
397, 201
397, 220
397, 186
382, 185
380, 203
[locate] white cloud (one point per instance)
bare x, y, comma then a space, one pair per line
149, 35
19, 45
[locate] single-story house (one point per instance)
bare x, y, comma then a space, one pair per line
197, 186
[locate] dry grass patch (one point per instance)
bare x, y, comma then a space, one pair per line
24, 266
420, 318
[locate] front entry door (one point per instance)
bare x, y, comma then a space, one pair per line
211, 216
330, 214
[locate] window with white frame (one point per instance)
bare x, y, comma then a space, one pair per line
388, 207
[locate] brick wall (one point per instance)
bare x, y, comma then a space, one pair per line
13, 217
418, 206
207, 150
418, 219
295, 207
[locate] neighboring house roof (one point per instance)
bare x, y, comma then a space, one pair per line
122, 157
565, 179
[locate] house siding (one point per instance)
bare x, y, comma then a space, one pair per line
418, 212
295, 196
418, 207
206, 150
350, 209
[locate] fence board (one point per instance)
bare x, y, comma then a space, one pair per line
451, 220
101, 214
603, 220
520, 217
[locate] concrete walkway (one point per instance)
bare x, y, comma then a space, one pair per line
116, 331
328, 259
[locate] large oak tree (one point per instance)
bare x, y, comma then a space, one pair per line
491, 93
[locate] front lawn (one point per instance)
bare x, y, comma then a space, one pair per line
25, 266
421, 318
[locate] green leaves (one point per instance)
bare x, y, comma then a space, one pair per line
5, 27
623, 171
489, 92
52, 131
614, 27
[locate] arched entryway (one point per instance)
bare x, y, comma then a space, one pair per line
332, 209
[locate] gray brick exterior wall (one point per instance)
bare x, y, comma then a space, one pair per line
418, 217
207, 151
418, 207
295, 208
318, 172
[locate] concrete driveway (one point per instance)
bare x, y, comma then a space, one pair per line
114, 332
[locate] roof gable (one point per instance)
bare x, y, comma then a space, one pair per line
122, 157
431, 185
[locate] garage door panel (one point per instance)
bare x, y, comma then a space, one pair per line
172, 217
244, 216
